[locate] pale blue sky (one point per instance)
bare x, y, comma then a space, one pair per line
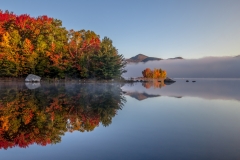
160, 28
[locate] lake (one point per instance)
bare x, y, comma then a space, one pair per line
183, 120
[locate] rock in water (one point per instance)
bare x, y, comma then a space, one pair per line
168, 80
33, 78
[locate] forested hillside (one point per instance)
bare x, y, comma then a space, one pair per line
42, 46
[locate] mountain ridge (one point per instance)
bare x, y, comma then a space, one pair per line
175, 58
143, 58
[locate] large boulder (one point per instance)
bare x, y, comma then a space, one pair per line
33, 78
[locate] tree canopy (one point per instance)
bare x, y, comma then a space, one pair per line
44, 47
156, 73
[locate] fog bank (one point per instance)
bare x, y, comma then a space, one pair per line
210, 67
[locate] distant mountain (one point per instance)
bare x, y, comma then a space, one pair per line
175, 58
151, 59
142, 58
238, 56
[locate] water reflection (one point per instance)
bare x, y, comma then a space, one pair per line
44, 114
153, 84
31, 85
202, 88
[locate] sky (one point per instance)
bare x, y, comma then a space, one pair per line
157, 28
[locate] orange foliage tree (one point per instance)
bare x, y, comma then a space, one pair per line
156, 73
42, 46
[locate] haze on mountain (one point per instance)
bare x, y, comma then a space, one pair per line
143, 58
208, 67
175, 58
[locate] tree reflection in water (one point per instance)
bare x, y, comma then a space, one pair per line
43, 115
154, 84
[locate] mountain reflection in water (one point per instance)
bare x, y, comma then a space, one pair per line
203, 88
41, 116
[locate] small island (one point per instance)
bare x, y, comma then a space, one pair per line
149, 75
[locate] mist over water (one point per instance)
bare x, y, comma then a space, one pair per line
190, 120
203, 88
210, 67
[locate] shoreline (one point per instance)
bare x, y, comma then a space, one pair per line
67, 80
78, 80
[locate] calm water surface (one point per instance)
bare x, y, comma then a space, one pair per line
113, 121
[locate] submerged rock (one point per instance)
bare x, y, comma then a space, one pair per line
33, 78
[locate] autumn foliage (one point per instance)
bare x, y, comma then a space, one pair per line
42, 116
156, 73
42, 46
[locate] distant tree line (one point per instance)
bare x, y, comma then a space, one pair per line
156, 73
42, 46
